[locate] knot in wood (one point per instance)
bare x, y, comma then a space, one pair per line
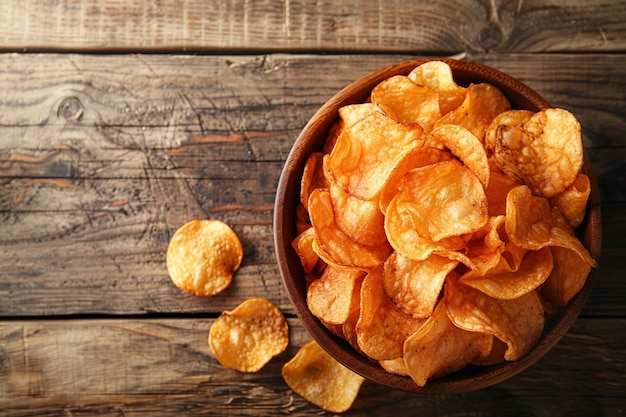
70, 108
490, 37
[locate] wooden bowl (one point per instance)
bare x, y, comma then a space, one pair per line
312, 138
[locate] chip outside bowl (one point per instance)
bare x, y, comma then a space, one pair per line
312, 138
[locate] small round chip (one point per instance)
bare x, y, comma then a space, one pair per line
202, 257
246, 338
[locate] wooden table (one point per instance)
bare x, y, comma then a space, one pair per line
120, 121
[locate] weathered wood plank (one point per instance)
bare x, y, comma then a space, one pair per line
350, 25
165, 367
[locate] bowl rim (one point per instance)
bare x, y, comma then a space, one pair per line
312, 137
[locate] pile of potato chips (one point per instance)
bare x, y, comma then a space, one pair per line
436, 226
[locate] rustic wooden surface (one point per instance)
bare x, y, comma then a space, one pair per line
120, 121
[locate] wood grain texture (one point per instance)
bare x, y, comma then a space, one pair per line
357, 25
165, 367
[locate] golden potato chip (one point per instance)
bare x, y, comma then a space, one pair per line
382, 327
337, 247
395, 366
567, 278
414, 286
511, 118
246, 338
532, 224
302, 219
572, 201
202, 257
546, 152
303, 245
467, 147
517, 322
330, 297
320, 379
438, 76
312, 177
369, 149
443, 200
440, 348
361, 220
333, 135
495, 356
406, 102
497, 190
482, 103
503, 283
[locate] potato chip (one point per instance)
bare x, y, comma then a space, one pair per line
438, 76
248, 337
395, 366
511, 118
495, 356
303, 245
440, 348
503, 283
546, 152
369, 149
333, 135
406, 102
443, 200
302, 218
517, 322
202, 257
482, 103
532, 224
467, 147
312, 177
567, 278
329, 298
414, 286
497, 190
361, 220
382, 327
337, 247
320, 379
572, 201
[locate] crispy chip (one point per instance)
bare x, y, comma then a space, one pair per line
407, 102
303, 245
497, 190
517, 322
440, 348
361, 220
337, 247
369, 149
503, 283
395, 366
438, 76
467, 147
482, 103
567, 278
572, 201
546, 152
330, 297
312, 177
320, 379
382, 327
246, 338
443, 200
414, 286
511, 118
202, 257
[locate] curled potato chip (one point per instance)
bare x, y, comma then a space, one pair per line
482, 103
414, 286
546, 152
382, 327
572, 201
443, 200
517, 322
497, 190
438, 76
337, 247
395, 366
503, 283
202, 257
369, 149
567, 278
361, 220
330, 297
407, 102
303, 245
467, 147
320, 379
312, 177
440, 348
246, 338
511, 118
